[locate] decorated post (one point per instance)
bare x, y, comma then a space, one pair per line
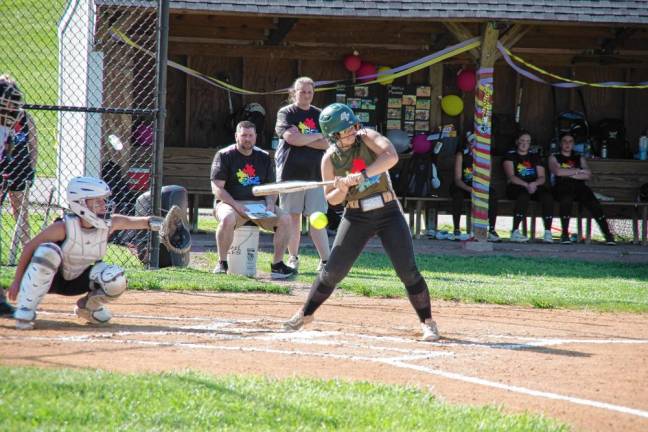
483, 122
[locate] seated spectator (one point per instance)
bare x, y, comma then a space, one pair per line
571, 172
461, 189
526, 180
235, 170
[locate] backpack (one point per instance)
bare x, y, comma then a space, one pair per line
612, 133
253, 112
573, 123
642, 196
419, 176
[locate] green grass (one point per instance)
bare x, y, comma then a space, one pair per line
537, 282
30, 54
72, 400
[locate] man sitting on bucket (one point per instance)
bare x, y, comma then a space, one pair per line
66, 257
236, 169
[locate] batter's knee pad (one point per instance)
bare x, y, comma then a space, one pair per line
37, 280
107, 282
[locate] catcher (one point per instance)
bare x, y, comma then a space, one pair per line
66, 257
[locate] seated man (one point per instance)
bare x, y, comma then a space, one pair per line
235, 170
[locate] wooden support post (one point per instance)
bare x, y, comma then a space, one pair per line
483, 125
436, 84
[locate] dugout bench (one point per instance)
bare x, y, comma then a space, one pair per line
190, 168
618, 179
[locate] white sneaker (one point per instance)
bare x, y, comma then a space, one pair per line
518, 237
24, 324
293, 262
466, 236
298, 321
430, 331
493, 237
25, 318
451, 236
548, 238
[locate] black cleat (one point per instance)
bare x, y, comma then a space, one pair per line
6, 310
281, 271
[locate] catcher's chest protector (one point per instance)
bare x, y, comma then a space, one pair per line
82, 247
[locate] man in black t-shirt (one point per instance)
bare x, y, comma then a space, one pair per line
235, 170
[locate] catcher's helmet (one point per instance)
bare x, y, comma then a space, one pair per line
11, 102
335, 118
81, 188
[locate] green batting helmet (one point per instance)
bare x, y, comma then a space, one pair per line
335, 118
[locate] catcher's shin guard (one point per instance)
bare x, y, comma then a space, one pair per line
35, 283
107, 282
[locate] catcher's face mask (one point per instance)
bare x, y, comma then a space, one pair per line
102, 207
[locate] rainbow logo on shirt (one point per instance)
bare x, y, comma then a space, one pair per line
308, 126
568, 164
247, 176
526, 169
468, 175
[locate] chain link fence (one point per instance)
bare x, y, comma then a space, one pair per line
89, 109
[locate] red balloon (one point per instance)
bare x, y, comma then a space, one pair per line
421, 144
352, 62
365, 70
466, 80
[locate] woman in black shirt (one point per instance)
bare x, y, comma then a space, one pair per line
526, 180
571, 172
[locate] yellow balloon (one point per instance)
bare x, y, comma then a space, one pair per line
452, 105
318, 220
384, 79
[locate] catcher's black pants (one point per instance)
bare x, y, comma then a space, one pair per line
355, 230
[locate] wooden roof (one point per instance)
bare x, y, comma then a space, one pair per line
564, 11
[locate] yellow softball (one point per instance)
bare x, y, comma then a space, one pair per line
318, 220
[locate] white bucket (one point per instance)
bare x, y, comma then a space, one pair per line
242, 255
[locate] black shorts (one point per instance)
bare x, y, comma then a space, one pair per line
78, 286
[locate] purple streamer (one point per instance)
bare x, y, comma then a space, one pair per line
536, 78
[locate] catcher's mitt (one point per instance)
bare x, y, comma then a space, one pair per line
174, 233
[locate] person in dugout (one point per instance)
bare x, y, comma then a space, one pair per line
461, 189
527, 181
358, 161
570, 171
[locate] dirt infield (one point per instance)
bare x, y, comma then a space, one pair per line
587, 369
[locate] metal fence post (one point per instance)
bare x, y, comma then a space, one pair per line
158, 151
